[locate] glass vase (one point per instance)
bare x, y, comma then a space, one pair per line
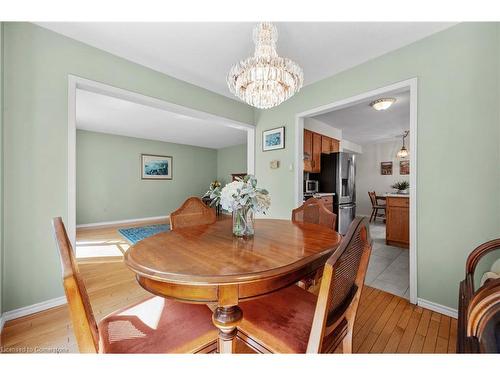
243, 222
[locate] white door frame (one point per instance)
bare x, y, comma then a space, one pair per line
412, 85
75, 82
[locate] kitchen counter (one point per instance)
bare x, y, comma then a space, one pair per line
319, 195
397, 220
396, 195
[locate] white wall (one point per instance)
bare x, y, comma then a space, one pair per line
348, 146
368, 177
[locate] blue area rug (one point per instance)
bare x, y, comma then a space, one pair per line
136, 234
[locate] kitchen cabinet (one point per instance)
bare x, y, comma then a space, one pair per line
316, 153
398, 221
314, 145
329, 145
308, 146
335, 145
326, 144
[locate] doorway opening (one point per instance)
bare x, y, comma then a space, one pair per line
370, 139
133, 159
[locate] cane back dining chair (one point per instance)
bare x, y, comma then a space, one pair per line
155, 325
295, 321
192, 212
314, 211
376, 206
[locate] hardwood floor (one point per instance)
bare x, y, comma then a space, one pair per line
104, 243
385, 323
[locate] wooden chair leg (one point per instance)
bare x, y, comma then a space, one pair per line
376, 214
371, 216
347, 343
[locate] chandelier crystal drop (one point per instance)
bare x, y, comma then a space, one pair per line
265, 80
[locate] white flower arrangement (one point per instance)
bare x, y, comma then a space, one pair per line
241, 194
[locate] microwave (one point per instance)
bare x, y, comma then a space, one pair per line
312, 186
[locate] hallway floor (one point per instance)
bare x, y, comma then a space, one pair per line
389, 266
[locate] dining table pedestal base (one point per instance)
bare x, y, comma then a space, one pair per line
226, 319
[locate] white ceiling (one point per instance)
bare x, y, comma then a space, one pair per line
361, 124
106, 114
202, 53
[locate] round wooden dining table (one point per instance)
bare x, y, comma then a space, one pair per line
207, 264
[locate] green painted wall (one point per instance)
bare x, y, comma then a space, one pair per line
458, 144
108, 179
231, 160
36, 65
1, 166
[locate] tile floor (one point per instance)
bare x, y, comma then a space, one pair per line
389, 266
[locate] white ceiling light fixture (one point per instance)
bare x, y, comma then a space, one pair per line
265, 80
382, 104
403, 153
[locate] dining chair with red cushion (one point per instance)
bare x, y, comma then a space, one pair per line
155, 325
295, 321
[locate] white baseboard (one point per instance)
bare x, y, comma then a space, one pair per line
108, 223
437, 308
37, 307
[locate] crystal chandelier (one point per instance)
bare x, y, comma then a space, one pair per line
265, 80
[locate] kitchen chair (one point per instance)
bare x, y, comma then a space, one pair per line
375, 207
478, 328
192, 212
155, 325
313, 211
295, 321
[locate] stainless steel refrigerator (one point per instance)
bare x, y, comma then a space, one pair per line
338, 176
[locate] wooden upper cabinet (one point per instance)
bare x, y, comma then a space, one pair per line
329, 145
314, 145
335, 145
326, 144
308, 151
316, 153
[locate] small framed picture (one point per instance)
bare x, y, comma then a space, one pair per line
156, 167
273, 139
404, 167
386, 168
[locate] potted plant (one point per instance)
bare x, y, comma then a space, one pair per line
243, 198
401, 186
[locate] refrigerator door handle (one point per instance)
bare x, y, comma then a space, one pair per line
346, 206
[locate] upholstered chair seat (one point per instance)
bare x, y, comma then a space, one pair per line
157, 325
281, 321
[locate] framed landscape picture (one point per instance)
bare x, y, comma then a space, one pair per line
404, 167
386, 168
156, 167
273, 139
